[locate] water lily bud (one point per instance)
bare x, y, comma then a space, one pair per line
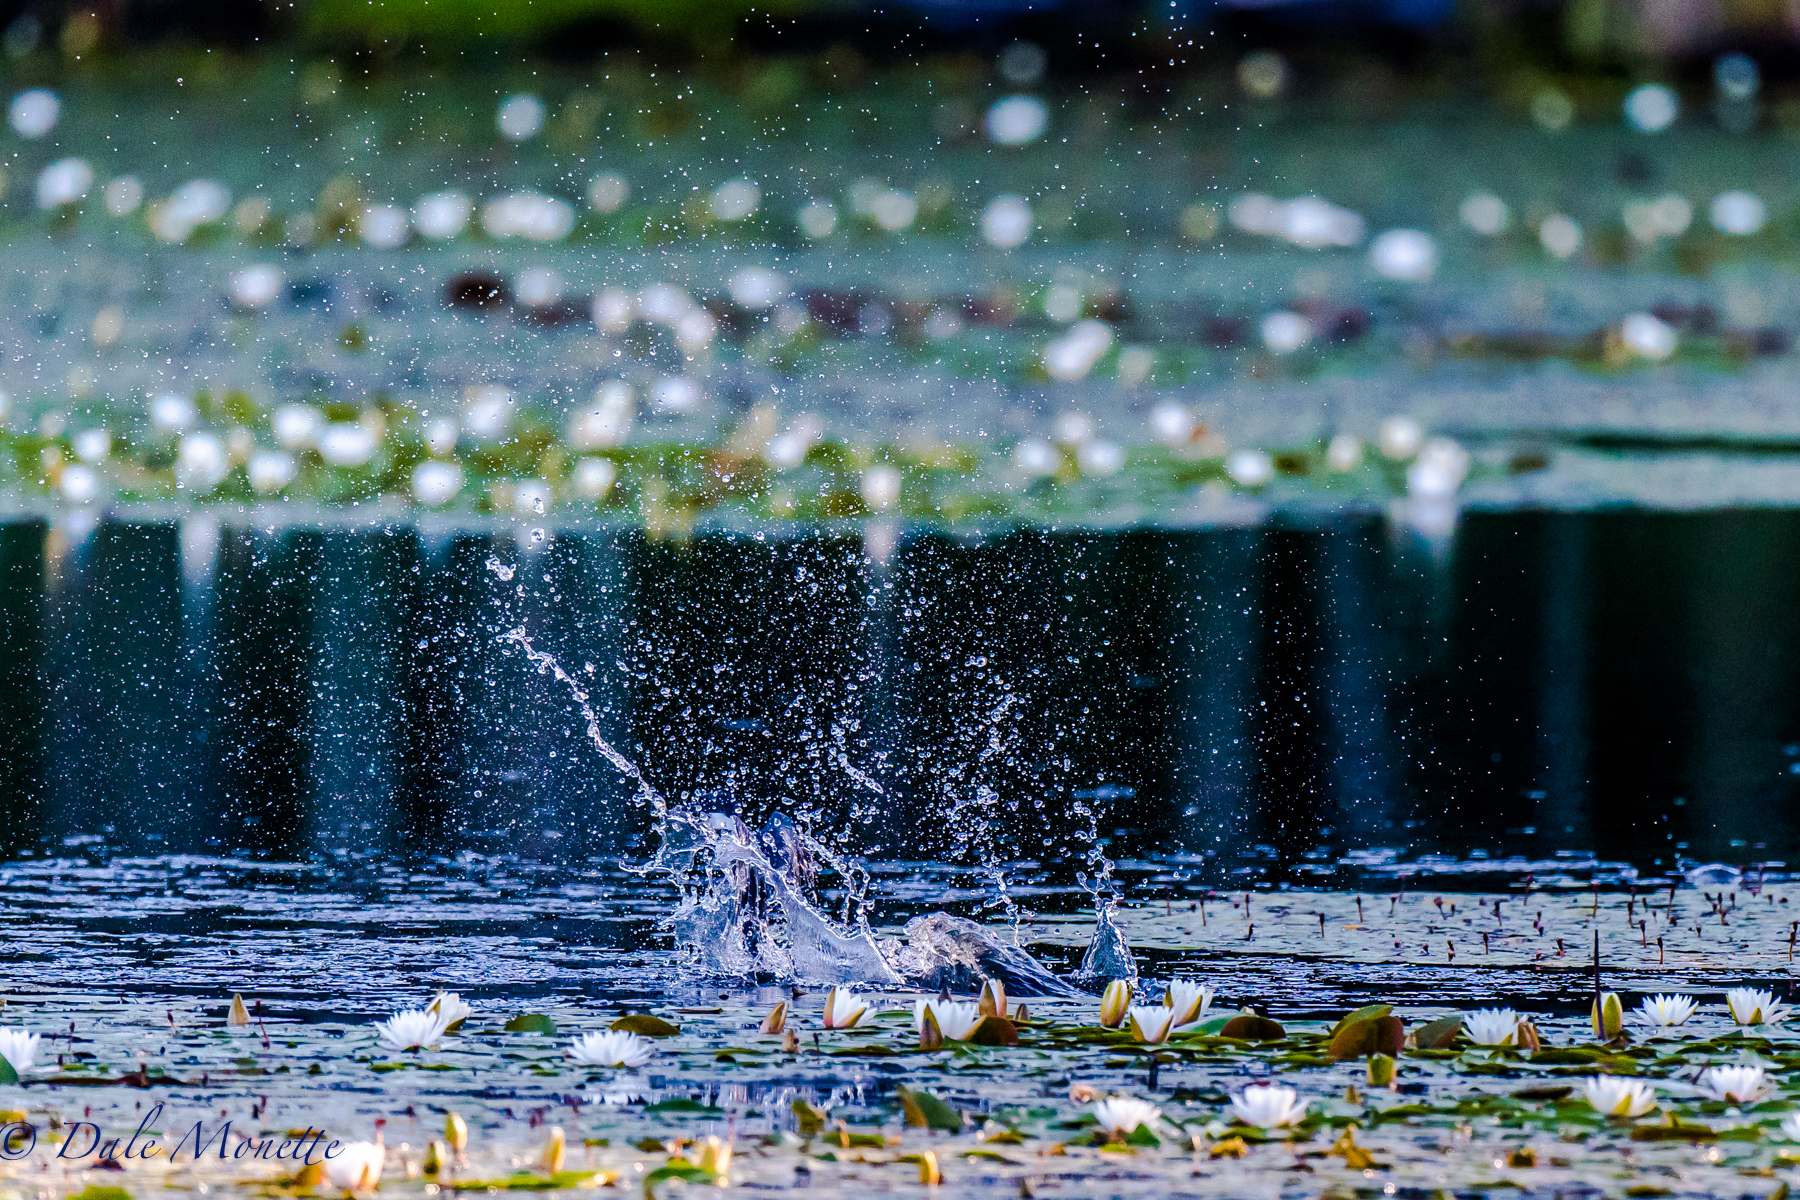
312, 1175
992, 1000
456, 1132
239, 1014
1608, 1016
791, 1043
553, 1150
1381, 1070
437, 1157
776, 1021
931, 1036
1527, 1038
928, 1169
1115, 1004
1021, 1015
715, 1156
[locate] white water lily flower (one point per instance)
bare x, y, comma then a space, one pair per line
1151, 1023
1790, 1126
1664, 1011
1267, 1105
956, 1019
1740, 1085
357, 1167
410, 1029
1190, 1000
843, 1009
612, 1048
19, 1047
1123, 1114
1617, 1096
1750, 1007
450, 1009
1492, 1026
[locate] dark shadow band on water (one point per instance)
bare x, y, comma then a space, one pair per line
1303, 702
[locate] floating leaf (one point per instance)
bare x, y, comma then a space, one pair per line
1252, 1028
926, 1111
531, 1023
1142, 1136
812, 1121
1544, 1091
1381, 1034
680, 1104
1354, 1156
1438, 1034
1231, 1147
7, 1074
101, 1191
994, 1031
1367, 1012
645, 1024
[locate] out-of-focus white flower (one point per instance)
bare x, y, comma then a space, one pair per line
1647, 336
357, 1167
297, 426
1790, 1127
1647, 220
756, 287
1120, 1116
1617, 1096
844, 1009
1492, 1026
1306, 221
894, 210
817, 218
1285, 332
441, 216
1739, 1084
195, 203
1074, 354
607, 192
613, 310
530, 215
78, 484
538, 286
1438, 470
1485, 213
531, 496
612, 1048
1251, 468
696, 330
271, 470
664, 303
410, 1029
1063, 302
675, 394
1190, 1000
440, 436
1651, 108
594, 477
64, 182
201, 463
436, 483
1035, 456
257, 285
1738, 213
1136, 363
1400, 437
520, 117
92, 445
1006, 222
1749, 1006
607, 419
123, 195
1072, 428
735, 200
33, 113
383, 226
1263, 73
19, 1047
1173, 423
1267, 1105
788, 450
1100, 458
1344, 453
1661, 1012
347, 444
1560, 235
1151, 1023
487, 412
1409, 255
172, 413
1016, 120
881, 486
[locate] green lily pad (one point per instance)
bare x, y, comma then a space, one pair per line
926, 1111
1367, 1012
645, 1025
7, 1074
1382, 1034
1438, 1034
531, 1023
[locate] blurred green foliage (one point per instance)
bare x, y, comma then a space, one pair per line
537, 20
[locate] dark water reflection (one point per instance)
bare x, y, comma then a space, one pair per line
1624, 683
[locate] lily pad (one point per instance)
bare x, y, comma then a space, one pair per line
811, 1120
1381, 1034
994, 1031
926, 1111
7, 1074
646, 1025
1252, 1028
1367, 1012
1438, 1034
531, 1023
